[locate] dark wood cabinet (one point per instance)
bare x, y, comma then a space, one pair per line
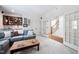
11, 20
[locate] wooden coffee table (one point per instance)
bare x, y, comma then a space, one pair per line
24, 44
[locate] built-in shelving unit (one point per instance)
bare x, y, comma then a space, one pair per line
11, 20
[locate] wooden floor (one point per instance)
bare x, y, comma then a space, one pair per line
56, 37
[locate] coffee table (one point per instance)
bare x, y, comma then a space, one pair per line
24, 44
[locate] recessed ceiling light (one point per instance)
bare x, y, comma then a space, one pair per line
13, 10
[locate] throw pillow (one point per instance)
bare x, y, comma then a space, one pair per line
7, 33
30, 33
20, 32
15, 33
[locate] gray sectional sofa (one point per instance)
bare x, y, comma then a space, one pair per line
7, 40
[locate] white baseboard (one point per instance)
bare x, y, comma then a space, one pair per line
71, 46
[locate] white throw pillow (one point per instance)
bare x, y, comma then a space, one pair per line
30, 33
20, 31
7, 33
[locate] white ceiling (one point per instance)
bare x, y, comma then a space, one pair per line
26, 9
38, 10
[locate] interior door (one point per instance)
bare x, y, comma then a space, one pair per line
42, 27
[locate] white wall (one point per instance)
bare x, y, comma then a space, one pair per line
1, 21
34, 22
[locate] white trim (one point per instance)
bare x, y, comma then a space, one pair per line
71, 46
78, 46
78, 50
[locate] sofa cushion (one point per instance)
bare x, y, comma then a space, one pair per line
25, 36
25, 32
7, 38
4, 45
7, 33
30, 33
4, 42
20, 31
16, 38
2, 35
28, 37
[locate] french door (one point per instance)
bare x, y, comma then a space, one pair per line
72, 30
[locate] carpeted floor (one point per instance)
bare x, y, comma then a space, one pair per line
48, 46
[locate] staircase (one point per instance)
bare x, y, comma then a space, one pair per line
54, 28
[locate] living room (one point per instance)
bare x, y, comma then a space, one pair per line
31, 26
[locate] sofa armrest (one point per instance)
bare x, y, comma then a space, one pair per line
34, 34
0, 47
4, 44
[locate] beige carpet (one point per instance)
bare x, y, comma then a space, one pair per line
48, 46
